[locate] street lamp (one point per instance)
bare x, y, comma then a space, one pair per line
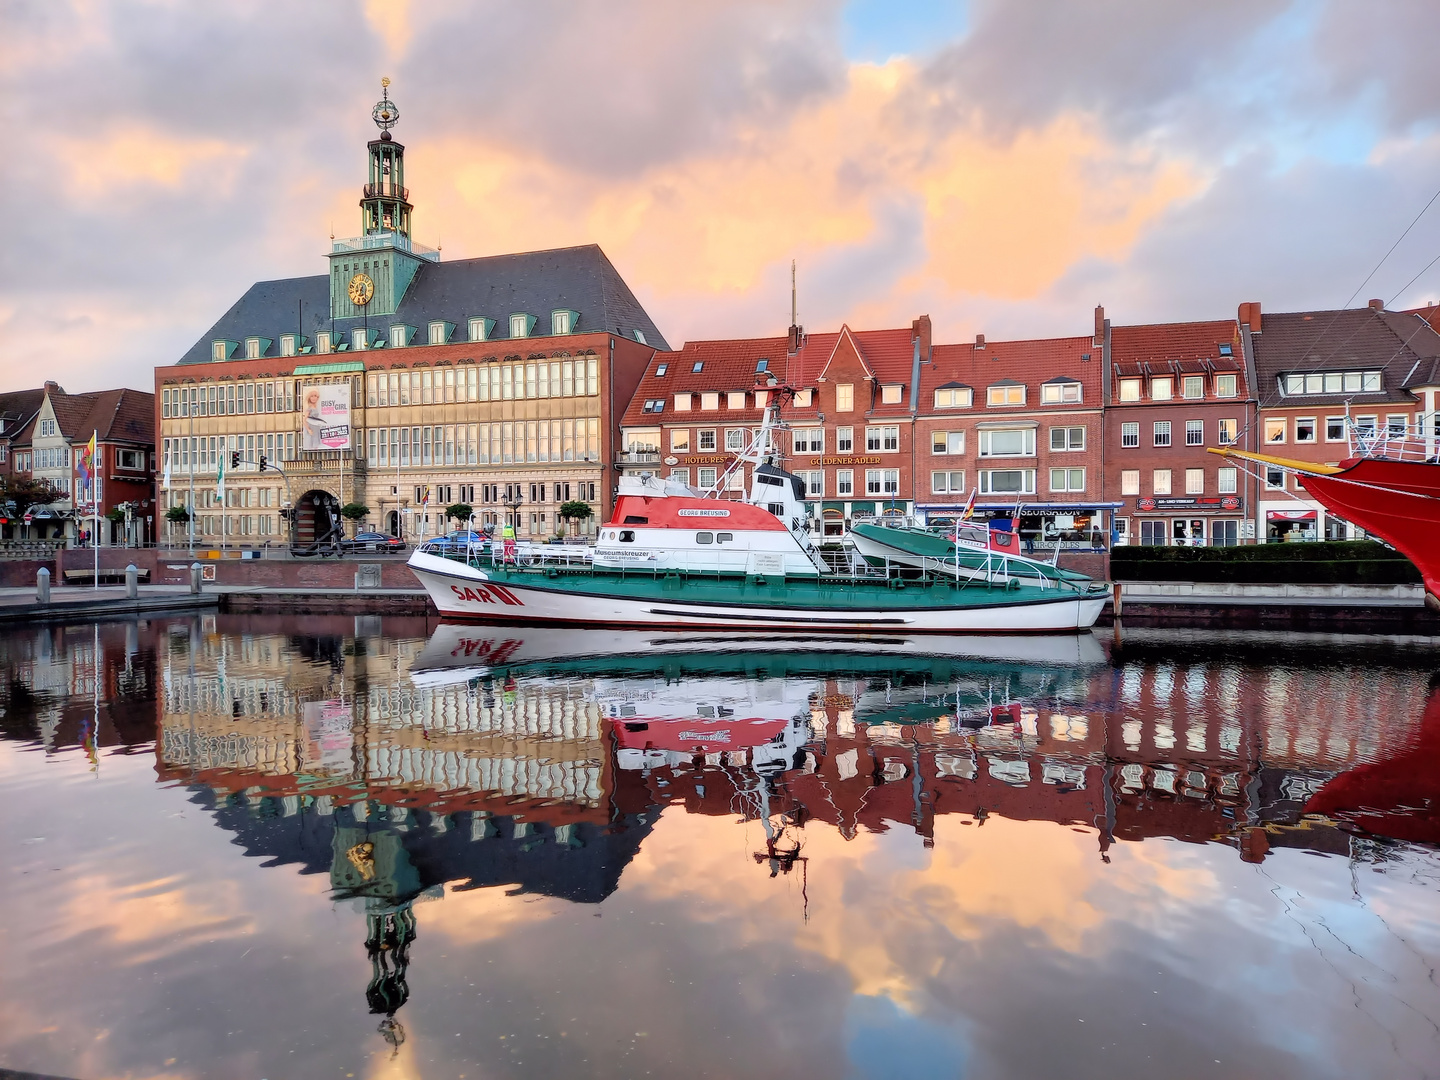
514, 501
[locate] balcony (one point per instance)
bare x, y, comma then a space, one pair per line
387, 190
371, 241
638, 457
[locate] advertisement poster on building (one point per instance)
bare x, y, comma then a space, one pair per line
327, 417
328, 738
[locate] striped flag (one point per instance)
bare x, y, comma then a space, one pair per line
969, 511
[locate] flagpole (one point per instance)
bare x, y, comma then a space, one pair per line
95, 510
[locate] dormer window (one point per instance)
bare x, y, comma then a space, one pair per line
400, 336
1006, 394
563, 322
709, 401
480, 328
287, 344
439, 333
640, 336
358, 339
252, 348
762, 364
322, 342
954, 397
803, 398
221, 350
1162, 388
735, 399
521, 325
1061, 393
660, 370
891, 393
682, 402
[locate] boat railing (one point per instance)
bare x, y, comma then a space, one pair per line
1395, 441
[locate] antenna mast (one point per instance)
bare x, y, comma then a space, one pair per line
793, 319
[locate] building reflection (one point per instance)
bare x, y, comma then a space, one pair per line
403, 761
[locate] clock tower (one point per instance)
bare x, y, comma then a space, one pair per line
370, 273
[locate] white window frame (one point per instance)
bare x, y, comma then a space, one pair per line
878, 436
1161, 430
1225, 386
1069, 479
1314, 429
1162, 388
943, 482
892, 393
1065, 393
1227, 480
1161, 481
735, 399
735, 440
947, 443
844, 482
882, 482
1130, 435
844, 397
807, 440
987, 442
1194, 481
1130, 482
845, 440
1194, 432
1274, 430
710, 401
1000, 396
682, 402
1068, 441
987, 482
954, 397
1131, 389
1192, 382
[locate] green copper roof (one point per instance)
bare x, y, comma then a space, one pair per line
330, 369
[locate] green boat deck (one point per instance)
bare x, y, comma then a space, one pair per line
933, 545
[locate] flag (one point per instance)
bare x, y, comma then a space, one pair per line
425, 496
167, 471
220, 479
969, 511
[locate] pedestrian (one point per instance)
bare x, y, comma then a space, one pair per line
508, 535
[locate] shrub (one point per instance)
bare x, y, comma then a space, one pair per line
1349, 562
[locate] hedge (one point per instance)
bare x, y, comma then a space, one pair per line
1347, 562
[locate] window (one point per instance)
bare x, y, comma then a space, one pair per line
947, 442
735, 399
1194, 432
1130, 434
438, 332
520, 326
1067, 438
1194, 481
1228, 432
697, 367
1007, 442
1007, 481
954, 397
845, 397
1304, 429
706, 440
323, 342
1162, 388
947, 483
762, 365
1396, 425
219, 350
1275, 430
560, 322
1130, 389
1006, 394
252, 348
653, 405
287, 344
680, 439
808, 440
844, 440
882, 439
1162, 432
844, 482
882, 481
1332, 382
1130, 482
682, 402
660, 370
1224, 385
399, 336
359, 339
803, 398
1274, 478
1160, 482
814, 483
1064, 393
1193, 386
1067, 479
680, 475
1365, 426
479, 329
890, 393
709, 402
1227, 480
1335, 429
735, 440
640, 336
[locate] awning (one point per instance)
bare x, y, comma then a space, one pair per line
862, 508
333, 368
1025, 507
1289, 515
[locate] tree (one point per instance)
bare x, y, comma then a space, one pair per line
178, 514
576, 510
461, 512
355, 512
115, 514
23, 492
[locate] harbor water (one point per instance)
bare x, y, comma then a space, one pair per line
270, 846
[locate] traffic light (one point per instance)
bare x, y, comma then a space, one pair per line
234, 459
262, 462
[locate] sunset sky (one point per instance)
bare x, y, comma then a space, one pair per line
1003, 166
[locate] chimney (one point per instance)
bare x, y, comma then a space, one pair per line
796, 338
1377, 305
1250, 315
52, 387
979, 341
920, 329
1099, 341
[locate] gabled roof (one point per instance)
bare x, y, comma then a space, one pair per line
729, 365
1401, 346
1010, 363
17, 407
580, 279
1185, 348
126, 416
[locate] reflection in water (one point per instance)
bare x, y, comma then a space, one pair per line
408, 761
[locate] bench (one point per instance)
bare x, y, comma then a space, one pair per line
108, 576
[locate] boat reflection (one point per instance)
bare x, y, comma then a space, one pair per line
398, 759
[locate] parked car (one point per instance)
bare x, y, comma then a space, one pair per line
458, 543
373, 541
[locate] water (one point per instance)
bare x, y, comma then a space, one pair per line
267, 847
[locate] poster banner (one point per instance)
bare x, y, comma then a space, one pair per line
327, 416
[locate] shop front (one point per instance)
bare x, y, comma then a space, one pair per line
1216, 521
1042, 525
1291, 525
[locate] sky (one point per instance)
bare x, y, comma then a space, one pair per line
1001, 166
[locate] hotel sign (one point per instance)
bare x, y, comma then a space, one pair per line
847, 459
707, 459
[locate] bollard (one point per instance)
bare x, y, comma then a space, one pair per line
42, 586
132, 581
1116, 610
195, 579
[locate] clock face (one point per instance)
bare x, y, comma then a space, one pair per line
361, 289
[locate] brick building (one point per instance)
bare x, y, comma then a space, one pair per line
1326, 379
47, 446
1175, 389
496, 382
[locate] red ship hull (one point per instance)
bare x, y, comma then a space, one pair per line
1398, 501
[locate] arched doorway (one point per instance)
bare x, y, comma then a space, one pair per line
317, 520
392, 522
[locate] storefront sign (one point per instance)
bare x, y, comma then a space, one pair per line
707, 459
847, 460
1225, 504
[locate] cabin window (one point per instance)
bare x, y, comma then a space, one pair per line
724, 538
627, 536
636, 519
704, 538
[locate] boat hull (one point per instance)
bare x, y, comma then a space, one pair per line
517, 596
